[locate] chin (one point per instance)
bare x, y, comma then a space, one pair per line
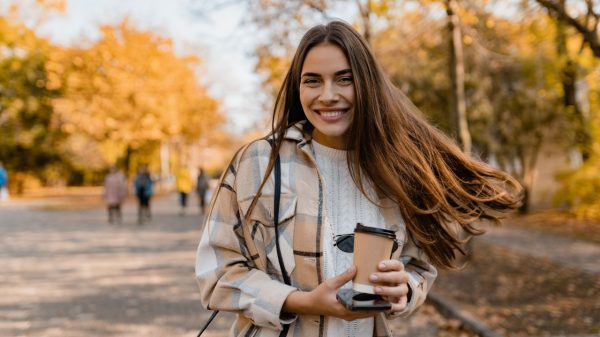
332, 131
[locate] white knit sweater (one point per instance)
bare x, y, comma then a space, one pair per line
345, 206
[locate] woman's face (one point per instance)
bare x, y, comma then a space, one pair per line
327, 94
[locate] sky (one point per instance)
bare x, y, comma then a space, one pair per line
217, 35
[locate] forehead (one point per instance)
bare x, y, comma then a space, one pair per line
325, 58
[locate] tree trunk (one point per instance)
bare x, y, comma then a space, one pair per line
569, 76
365, 14
457, 77
127, 162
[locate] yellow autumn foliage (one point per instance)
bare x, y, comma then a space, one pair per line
130, 89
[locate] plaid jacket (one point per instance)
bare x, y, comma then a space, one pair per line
237, 267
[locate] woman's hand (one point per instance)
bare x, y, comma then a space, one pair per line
392, 283
322, 300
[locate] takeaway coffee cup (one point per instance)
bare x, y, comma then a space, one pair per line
371, 246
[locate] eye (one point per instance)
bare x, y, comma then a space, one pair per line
346, 80
310, 81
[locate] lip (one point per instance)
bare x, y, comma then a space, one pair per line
332, 109
332, 118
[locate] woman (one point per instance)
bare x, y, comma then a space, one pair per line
352, 149
115, 192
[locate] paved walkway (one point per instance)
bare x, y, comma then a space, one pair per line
67, 273
563, 250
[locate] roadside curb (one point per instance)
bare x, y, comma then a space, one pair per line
448, 309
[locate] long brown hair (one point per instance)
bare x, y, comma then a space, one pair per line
437, 187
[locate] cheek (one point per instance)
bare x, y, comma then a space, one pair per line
305, 98
349, 94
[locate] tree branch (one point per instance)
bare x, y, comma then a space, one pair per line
589, 35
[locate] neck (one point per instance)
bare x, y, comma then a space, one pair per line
334, 142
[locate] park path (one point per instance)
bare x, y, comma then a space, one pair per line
64, 272
520, 283
68, 273
565, 251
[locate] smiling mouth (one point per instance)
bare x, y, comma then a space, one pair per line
332, 113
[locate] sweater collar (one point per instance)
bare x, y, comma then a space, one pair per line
298, 132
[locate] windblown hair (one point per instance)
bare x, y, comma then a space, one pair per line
438, 188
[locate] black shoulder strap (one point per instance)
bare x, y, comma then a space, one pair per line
286, 277
214, 314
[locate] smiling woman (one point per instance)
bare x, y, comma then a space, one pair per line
346, 148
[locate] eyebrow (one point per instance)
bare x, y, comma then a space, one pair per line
337, 73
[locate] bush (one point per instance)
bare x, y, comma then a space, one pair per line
581, 189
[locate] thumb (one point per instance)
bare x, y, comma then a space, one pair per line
341, 279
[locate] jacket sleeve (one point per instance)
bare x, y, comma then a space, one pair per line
421, 274
226, 274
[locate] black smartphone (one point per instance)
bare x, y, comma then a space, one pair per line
356, 301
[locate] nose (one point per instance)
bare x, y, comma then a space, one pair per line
329, 93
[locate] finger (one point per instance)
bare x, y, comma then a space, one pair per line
397, 291
401, 305
390, 265
343, 278
391, 299
392, 278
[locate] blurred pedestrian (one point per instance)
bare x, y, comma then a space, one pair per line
201, 189
143, 191
115, 192
3, 183
183, 182
346, 147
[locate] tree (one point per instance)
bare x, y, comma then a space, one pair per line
29, 133
457, 73
510, 93
571, 68
127, 93
581, 187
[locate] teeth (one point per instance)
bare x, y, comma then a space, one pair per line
331, 113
